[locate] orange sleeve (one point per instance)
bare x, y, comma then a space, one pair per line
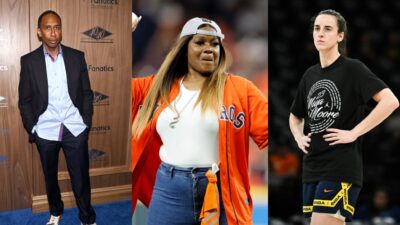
140, 87
258, 115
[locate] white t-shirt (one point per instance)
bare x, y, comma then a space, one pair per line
193, 141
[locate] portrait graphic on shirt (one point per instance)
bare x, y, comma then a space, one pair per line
323, 105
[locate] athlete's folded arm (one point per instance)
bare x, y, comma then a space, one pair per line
296, 125
386, 104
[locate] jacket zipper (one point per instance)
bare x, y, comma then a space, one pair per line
229, 178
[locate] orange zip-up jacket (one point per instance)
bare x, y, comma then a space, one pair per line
244, 114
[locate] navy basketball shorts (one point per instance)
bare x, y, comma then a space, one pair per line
336, 198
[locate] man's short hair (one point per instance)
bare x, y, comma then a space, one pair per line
45, 13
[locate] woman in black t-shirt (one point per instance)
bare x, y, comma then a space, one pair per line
327, 119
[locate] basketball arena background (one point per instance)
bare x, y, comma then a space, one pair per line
373, 38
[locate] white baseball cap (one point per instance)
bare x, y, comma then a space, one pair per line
191, 27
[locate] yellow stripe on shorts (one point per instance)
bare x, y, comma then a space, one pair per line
307, 209
342, 194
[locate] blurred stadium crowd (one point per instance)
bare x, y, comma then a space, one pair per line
245, 25
373, 38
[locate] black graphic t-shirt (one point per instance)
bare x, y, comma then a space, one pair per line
334, 97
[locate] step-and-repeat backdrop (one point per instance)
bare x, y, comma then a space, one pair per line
101, 29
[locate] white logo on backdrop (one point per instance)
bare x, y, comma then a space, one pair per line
3, 68
3, 102
2, 38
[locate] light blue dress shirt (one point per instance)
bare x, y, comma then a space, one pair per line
60, 109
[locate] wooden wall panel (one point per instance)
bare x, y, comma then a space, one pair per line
15, 152
102, 31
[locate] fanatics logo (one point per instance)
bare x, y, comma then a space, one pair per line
100, 99
97, 35
3, 103
95, 154
93, 68
109, 2
2, 39
102, 129
3, 160
4, 131
102, 3
3, 68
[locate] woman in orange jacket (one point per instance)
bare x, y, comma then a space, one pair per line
191, 126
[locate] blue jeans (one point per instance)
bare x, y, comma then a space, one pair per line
178, 196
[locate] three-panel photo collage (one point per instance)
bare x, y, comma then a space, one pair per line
187, 112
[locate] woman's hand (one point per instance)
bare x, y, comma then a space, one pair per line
303, 142
337, 136
296, 125
135, 21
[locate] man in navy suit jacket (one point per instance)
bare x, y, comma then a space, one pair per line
56, 105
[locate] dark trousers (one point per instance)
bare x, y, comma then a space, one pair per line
77, 158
